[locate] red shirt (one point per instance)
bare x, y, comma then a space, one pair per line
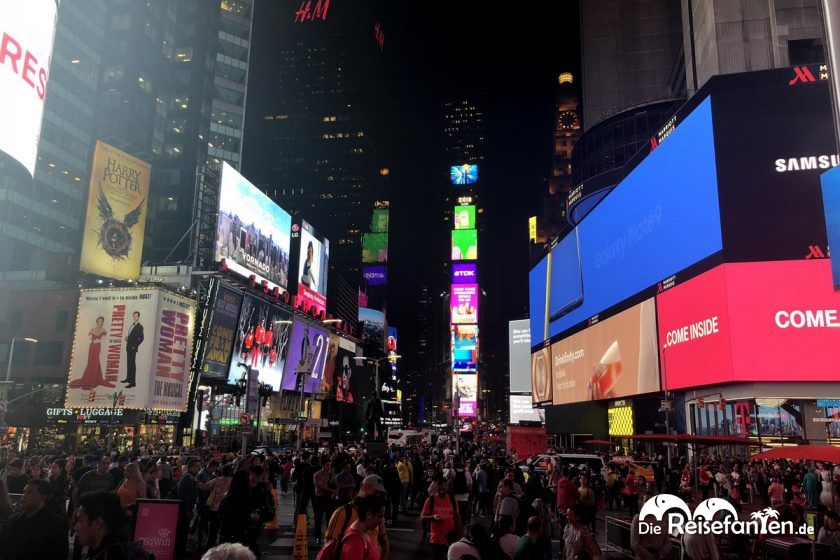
444, 510
358, 546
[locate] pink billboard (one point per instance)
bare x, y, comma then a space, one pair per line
464, 304
760, 321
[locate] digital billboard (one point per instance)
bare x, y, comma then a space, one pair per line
27, 29
465, 174
261, 341
313, 266
253, 234
519, 356
614, 358
465, 387
464, 273
375, 247
541, 384
760, 321
345, 365
379, 220
662, 218
464, 217
132, 349
221, 332
308, 349
373, 325
521, 410
464, 244
375, 275
465, 348
831, 204
463, 304
331, 366
115, 221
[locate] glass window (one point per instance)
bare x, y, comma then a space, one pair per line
17, 319
61, 320
48, 353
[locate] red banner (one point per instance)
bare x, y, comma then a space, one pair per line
157, 523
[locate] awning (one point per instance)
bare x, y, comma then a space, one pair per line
822, 453
691, 439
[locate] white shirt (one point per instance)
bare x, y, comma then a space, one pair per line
360, 470
700, 547
462, 548
508, 544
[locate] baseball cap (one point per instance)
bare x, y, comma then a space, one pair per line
376, 481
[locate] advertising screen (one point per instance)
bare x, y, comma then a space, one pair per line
27, 29
308, 349
465, 174
465, 387
375, 275
519, 356
464, 244
132, 347
542, 387
464, 304
221, 332
521, 410
464, 217
313, 267
375, 247
330, 365
831, 203
253, 234
373, 325
115, 222
464, 273
614, 358
262, 341
465, 348
345, 365
765, 321
379, 220
662, 218
538, 300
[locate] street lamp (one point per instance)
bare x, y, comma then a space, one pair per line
11, 354
332, 321
375, 362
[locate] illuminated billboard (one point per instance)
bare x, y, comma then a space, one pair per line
464, 244
308, 351
115, 222
746, 322
27, 29
313, 266
465, 348
132, 348
373, 325
375, 247
464, 217
519, 356
221, 332
379, 220
345, 387
614, 358
465, 389
465, 174
261, 340
253, 234
521, 410
831, 205
463, 304
464, 273
541, 384
375, 275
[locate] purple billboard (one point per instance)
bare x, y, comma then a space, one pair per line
375, 275
464, 273
307, 353
464, 304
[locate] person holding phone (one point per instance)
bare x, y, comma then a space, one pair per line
441, 511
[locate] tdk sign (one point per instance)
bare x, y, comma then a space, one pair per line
463, 273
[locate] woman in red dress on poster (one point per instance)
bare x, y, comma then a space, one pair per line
249, 342
92, 376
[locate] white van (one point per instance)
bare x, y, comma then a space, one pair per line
404, 438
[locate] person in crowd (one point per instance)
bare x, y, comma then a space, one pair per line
776, 492
700, 546
57, 479
829, 534
587, 502
505, 536
218, 489
528, 547
356, 543
468, 546
151, 477
167, 475
95, 480
262, 499
16, 479
303, 478
649, 545
36, 472
229, 551
462, 483
441, 511
345, 515
6, 508
508, 504
187, 493
237, 511
117, 469
35, 531
577, 540
100, 525
325, 493
631, 492
345, 483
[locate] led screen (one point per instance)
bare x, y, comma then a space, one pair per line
662, 218
253, 234
538, 300
375, 248
465, 387
541, 385
345, 365
464, 273
614, 358
375, 275
831, 203
308, 350
519, 353
463, 174
313, 266
521, 410
379, 221
464, 304
464, 217
464, 244
221, 332
261, 340
762, 321
373, 325
465, 348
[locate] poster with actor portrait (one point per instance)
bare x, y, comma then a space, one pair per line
261, 340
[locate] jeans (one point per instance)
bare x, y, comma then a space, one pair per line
324, 507
404, 496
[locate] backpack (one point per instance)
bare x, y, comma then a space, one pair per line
526, 510
332, 549
460, 486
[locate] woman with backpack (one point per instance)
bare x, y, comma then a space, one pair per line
237, 512
356, 544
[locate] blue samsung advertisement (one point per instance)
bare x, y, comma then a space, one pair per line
831, 204
663, 217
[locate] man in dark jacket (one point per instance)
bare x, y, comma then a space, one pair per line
100, 525
34, 532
